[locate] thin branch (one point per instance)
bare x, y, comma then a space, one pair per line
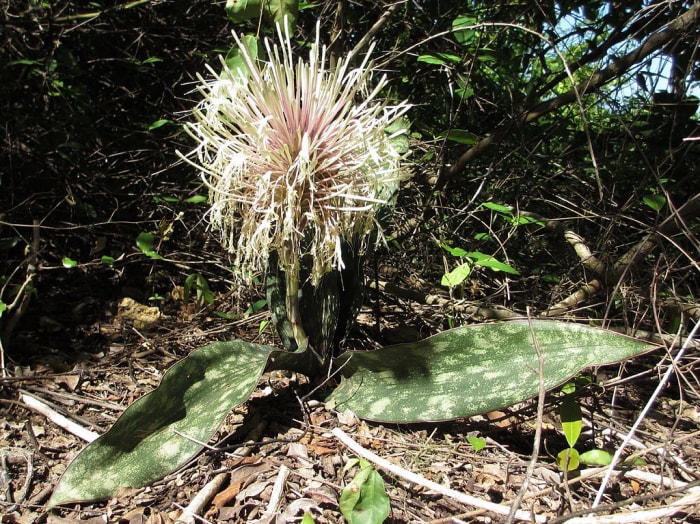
538, 429
653, 43
642, 416
58, 419
196, 506
373, 31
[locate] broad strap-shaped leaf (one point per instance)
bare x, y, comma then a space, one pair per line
472, 370
143, 445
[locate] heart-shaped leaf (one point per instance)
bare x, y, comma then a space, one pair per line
472, 370
158, 433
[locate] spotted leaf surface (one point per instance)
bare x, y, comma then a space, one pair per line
146, 442
472, 370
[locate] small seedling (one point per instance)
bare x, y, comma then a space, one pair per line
144, 241
477, 443
196, 284
569, 459
364, 500
469, 260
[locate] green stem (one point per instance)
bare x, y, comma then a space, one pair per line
293, 308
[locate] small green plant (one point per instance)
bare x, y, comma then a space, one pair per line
68, 262
145, 242
477, 443
197, 285
469, 260
364, 499
507, 214
570, 459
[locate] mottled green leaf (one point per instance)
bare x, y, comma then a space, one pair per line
398, 132
157, 433
472, 370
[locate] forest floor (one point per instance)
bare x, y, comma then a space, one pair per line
88, 353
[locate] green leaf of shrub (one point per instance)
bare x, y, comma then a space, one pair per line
196, 199
461, 136
457, 275
144, 241
439, 59
498, 208
477, 443
471, 370
484, 260
463, 29
455, 251
68, 262
159, 123
153, 436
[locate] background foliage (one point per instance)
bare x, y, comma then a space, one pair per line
94, 95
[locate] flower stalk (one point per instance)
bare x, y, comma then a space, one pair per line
296, 158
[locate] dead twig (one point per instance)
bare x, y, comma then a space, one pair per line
196, 506
538, 430
72, 427
642, 416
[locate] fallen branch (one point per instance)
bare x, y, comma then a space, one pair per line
58, 419
459, 306
688, 503
669, 227
433, 486
196, 506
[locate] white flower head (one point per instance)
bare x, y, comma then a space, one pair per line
295, 155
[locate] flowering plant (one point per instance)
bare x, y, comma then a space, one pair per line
296, 156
